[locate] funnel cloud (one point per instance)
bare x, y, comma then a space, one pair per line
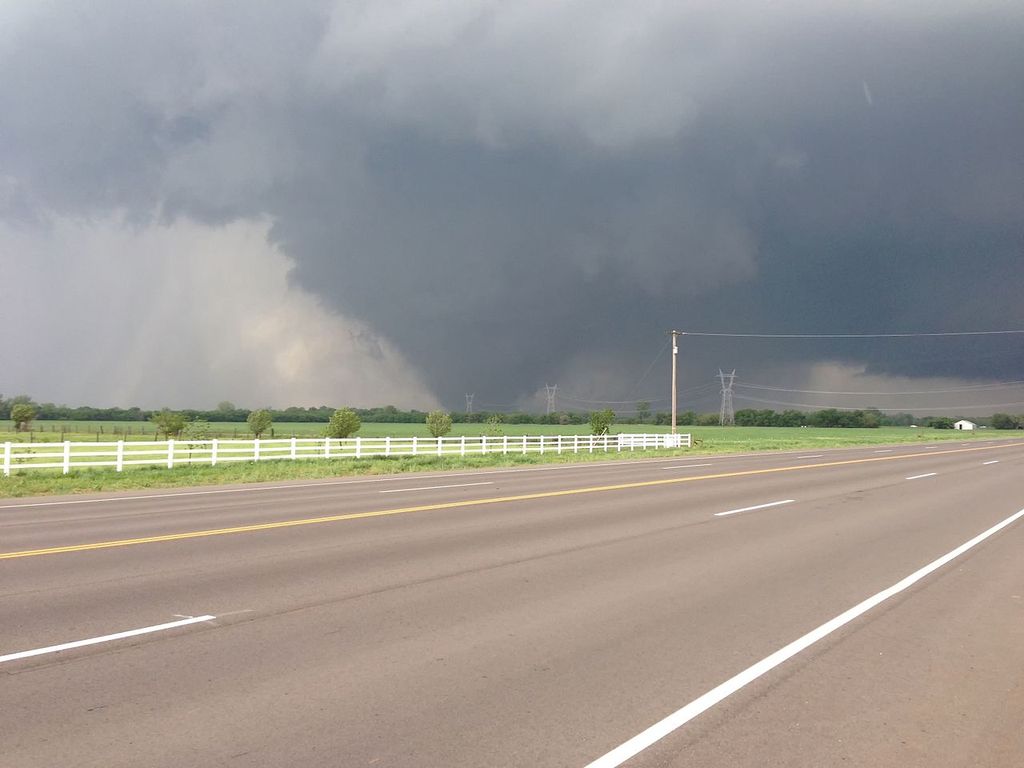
356, 202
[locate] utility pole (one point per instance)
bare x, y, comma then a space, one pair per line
675, 354
726, 414
551, 390
469, 404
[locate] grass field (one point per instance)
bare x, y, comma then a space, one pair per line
707, 440
714, 438
101, 431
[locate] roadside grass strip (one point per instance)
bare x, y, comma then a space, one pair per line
459, 504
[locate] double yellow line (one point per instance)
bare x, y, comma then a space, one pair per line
468, 503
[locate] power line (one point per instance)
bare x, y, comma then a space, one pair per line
651, 366
848, 335
692, 390
632, 400
970, 388
902, 409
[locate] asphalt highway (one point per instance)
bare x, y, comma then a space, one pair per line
833, 607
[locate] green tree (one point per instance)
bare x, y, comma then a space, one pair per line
168, 422
601, 421
1004, 421
259, 421
439, 423
494, 428
941, 422
643, 412
225, 406
22, 415
344, 422
197, 429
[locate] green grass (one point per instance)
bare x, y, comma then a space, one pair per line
707, 440
104, 431
744, 439
45, 481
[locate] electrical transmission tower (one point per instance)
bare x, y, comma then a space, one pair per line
726, 414
551, 390
469, 404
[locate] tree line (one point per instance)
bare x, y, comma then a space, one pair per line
25, 407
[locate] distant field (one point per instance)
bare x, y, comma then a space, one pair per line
711, 438
50, 431
742, 439
707, 440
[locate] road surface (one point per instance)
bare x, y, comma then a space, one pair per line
546, 616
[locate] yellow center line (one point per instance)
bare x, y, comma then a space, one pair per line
468, 503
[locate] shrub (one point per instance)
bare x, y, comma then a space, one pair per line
344, 422
168, 422
259, 421
601, 421
439, 423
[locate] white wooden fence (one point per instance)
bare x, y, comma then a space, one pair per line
170, 453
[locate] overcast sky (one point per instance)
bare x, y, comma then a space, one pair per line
401, 202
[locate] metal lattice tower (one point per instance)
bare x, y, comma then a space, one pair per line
469, 404
727, 414
551, 391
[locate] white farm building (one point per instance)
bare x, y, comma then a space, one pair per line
965, 424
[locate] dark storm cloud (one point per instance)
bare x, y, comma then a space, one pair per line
523, 193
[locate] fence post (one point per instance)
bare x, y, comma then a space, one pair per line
359, 447
483, 443
504, 445
524, 445
606, 442
462, 446
7, 459
256, 449
559, 445
414, 445
542, 445
170, 453
439, 445
213, 452
294, 455
120, 455
387, 445
591, 444
327, 447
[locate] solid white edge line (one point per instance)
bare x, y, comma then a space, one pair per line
994, 461
105, 638
751, 509
435, 487
680, 717
812, 456
887, 450
689, 466
918, 477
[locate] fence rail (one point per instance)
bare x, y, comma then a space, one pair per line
70, 455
